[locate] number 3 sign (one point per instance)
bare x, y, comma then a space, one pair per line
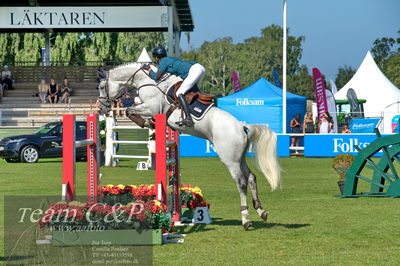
202, 216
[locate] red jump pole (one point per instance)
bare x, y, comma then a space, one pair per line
173, 135
92, 131
161, 157
68, 168
168, 152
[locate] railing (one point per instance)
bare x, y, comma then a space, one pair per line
33, 121
67, 63
111, 156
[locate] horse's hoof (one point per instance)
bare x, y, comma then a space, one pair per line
264, 215
246, 225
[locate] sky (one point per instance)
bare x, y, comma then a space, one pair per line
337, 33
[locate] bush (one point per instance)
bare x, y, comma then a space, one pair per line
342, 162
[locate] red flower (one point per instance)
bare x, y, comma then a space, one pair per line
141, 216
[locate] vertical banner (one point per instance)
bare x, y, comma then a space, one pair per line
353, 100
43, 50
333, 86
331, 104
319, 91
276, 79
236, 81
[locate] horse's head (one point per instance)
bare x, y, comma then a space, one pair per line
112, 87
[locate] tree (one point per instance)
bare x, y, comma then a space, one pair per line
392, 69
256, 57
386, 52
344, 75
129, 45
65, 49
216, 58
301, 83
382, 49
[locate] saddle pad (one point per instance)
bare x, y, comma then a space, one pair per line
196, 108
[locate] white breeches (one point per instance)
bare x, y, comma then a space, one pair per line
196, 73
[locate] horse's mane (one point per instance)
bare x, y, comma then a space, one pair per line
124, 65
140, 64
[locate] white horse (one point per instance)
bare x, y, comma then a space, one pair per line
230, 138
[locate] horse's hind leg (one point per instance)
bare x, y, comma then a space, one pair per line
241, 183
252, 181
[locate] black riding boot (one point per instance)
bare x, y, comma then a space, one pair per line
187, 120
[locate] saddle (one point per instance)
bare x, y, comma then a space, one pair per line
194, 94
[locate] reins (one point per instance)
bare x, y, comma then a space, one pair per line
131, 78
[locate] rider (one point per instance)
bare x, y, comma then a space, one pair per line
191, 73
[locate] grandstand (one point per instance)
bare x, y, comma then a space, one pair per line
19, 109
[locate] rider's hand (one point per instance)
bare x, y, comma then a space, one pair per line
146, 66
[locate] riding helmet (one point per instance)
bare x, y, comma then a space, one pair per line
159, 52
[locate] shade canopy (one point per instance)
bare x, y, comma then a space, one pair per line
261, 103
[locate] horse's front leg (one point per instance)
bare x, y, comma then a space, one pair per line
136, 113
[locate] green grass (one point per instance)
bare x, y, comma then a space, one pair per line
307, 224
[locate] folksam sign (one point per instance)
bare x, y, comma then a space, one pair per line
190, 146
330, 145
315, 145
364, 125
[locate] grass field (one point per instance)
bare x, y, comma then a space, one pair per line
307, 224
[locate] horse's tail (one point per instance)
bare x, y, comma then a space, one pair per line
264, 144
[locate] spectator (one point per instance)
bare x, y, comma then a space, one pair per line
53, 91
295, 125
65, 91
42, 90
308, 124
345, 129
326, 124
100, 75
127, 100
6, 80
1, 90
118, 105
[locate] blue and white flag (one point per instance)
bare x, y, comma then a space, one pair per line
276, 78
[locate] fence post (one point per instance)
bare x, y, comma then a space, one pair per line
110, 123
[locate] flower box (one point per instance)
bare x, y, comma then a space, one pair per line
107, 237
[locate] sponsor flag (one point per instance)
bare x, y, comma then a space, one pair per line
236, 81
330, 100
320, 93
353, 100
364, 125
333, 86
276, 78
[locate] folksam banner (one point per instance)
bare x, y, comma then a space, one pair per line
319, 91
276, 78
330, 145
190, 146
236, 81
363, 125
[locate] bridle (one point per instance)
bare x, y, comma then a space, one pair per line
107, 102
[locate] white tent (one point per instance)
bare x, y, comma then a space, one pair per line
144, 57
371, 84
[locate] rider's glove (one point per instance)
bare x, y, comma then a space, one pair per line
146, 66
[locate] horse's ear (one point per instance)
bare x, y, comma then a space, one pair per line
102, 84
